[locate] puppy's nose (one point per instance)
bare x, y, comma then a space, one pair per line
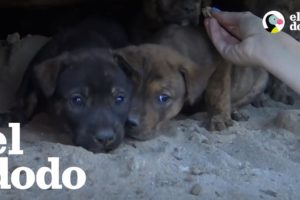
105, 137
132, 122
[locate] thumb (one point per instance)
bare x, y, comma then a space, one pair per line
219, 36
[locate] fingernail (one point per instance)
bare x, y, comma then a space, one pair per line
214, 9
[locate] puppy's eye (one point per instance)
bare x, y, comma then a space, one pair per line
119, 99
77, 100
163, 98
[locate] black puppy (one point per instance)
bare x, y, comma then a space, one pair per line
76, 77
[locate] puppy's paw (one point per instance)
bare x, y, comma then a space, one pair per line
280, 92
282, 96
239, 116
219, 123
261, 101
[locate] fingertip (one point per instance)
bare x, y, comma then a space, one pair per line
215, 10
213, 24
208, 27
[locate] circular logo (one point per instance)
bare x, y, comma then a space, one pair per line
273, 22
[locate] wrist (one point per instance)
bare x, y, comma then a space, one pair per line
270, 47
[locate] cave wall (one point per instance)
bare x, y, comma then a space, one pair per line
46, 17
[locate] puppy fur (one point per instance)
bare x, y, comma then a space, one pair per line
75, 77
163, 81
225, 83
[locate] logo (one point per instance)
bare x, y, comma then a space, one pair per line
273, 22
295, 19
46, 178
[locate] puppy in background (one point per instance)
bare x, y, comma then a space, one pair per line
156, 14
76, 78
192, 42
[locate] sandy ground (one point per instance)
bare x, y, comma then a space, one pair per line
257, 159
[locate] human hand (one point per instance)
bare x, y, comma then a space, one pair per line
237, 36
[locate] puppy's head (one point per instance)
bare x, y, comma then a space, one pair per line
163, 80
90, 92
181, 12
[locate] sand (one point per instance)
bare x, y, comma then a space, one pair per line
257, 159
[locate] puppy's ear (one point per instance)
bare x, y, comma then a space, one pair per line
195, 79
124, 65
128, 59
47, 72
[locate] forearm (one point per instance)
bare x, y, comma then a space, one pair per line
281, 57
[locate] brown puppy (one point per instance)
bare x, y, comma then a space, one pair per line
228, 88
194, 44
163, 81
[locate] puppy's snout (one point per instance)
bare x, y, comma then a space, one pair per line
133, 121
105, 137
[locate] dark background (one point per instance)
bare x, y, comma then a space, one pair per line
47, 17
